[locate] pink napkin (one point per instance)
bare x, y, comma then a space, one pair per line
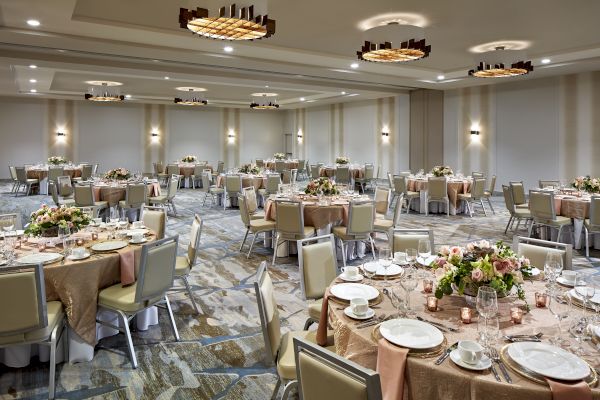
323, 319
268, 209
345, 216
156, 189
569, 391
127, 260
391, 362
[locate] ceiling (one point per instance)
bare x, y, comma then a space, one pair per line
139, 43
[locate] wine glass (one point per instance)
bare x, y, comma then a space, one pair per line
584, 289
63, 232
410, 280
487, 302
8, 225
385, 260
370, 272
396, 294
579, 329
553, 267
411, 256
68, 244
560, 307
424, 250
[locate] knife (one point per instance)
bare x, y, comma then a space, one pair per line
495, 373
438, 325
446, 354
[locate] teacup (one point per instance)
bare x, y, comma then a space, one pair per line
400, 257
470, 351
359, 306
350, 271
78, 252
569, 276
137, 224
97, 221
137, 237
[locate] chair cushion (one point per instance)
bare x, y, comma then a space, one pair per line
258, 215
286, 362
379, 216
158, 199
314, 309
560, 220
55, 315
340, 232
101, 204
181, 266
262, 191
261, 225
522, 213
121, 298
464, 196
214, 189
66, 202
382, 224
412, 194
522, 206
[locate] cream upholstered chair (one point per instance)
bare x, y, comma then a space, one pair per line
60, 200
541, 206
252, 203
315, 171
254, 226
401, 189
197, 175
13, 176
154, 218
155, 278
382, 202
273, 181
342, 174
592, 224
136, 195
279, 166
476, 196
260, 163
167, 200
65, 187
27, 318
84, 197
290, 224
518, 194
549, 184
279, 349
28, 183
302, 168
173, 171
210, 190
318, 268
54, 173
184, 264
13, 219
220, 169
476, 174
286, 176
87, 171
323, 375
487, 194
159, 171
409, 239
437, 192
516, 214
367, 177
361, 216
385, 226
233, 187
536, 250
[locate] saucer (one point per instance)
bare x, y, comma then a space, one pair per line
369, 314
144, 240
357, 278
564, 282
483, 364
85, 255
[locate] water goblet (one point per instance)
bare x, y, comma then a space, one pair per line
385, 260
560, 307
396, 294
411, 256
424, 249
410, 280
584, 289
487, 302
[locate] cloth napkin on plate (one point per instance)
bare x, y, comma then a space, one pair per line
391, 362
127, 262
323, 319
569, 391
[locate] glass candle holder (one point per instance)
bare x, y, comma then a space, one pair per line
516, 315
94, 235
427, 286
42, 245
466, 315
17, 244
79, 242
541, 299
432, 303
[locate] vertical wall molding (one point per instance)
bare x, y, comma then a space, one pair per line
426, 128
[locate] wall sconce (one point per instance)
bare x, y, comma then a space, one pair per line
61, 134
300, 136
231, 137
475, 133
385, 135
154, 135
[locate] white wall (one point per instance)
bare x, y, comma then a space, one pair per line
21, 122
194, 131
261, 134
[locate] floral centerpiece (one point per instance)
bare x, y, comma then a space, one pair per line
587, 184
342, 160
47, 220
442, 170
118, 174
250, 169
279, 156
465, 269
189, 159
57, 160
321, 185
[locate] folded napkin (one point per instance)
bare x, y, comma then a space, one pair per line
323, 319
127, 263
391, 362
569, 391
156, 189
268, 206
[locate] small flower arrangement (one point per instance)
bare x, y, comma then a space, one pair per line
477, 264
118, 174
587, 184
49, 219
56, 160
321, 185
250, 169
342, 160
442, 170
189, 159
279, 156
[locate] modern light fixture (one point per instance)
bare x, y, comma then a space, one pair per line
498, 64
354, 65
264, 101
191, 98
33, 90
33, 22
33, 80
475, 133
545, 61
227, 49
60, 134
231, 137
441, 77
154, 132
231, 23
393, 42
299, 135
105, 92
33, 66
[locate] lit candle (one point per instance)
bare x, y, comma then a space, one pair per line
94, 235
42, 245
17, 244
427, 285
465, 315
541, 299
432, 303
80, 242
516, 315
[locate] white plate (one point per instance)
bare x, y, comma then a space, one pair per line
535, 272
3, 262
595, 299
39, 258
426, 261
550, 361
144, 240
109, 246
131, 232
356, 278
83, 257
393, 269
349, 291
564, 282
18, 232
369, 314
483, 364
411, 333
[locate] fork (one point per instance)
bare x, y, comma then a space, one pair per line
496, 357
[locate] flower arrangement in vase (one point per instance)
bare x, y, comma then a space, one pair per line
189, 159
342, 160
57, 160
250, 169
47, 220
442, 170
321, 185
118, 174
587, 184
279, 156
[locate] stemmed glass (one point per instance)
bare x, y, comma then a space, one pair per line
560, 307
63, 232
385, 260
369, 273
68, 244
424, 250
579, 329
409, 282
411, 256
396, 298
487, 302
585, 290
552, 268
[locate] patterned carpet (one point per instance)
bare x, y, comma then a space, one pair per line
220, 352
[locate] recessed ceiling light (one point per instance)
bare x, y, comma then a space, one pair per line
302, 99
33, 22
546, 61
227, 49
156, 60
441, 77
32, 66
127, 96
343, 93
353, 94
354, 65
167, 78
33, 80
33, 91
266, 86
190, 89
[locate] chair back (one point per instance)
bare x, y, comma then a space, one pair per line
405, 173
397, 213
21, 174
220, 167
390, 180
536, 251
382, 200
244, 214
301, 166
492, 185
541, 205
318, 265
84, 195
12, 219
273, 181
323, 375
268, 312
279, 166
195, 233
13, 172
65, 188
159, 168
508, 201
157, 267
409, 239
155, 219
172, 169
369, 171
86, 171
173, 185
287, 176
437, 188
198, 168
233, 183
251, 201
315, 170
400, 184
22, 302
361, 216
518, 192
136, 195
478, 188
54, 193
342, 174
206, 178
55, 172
260, 163
595, 212
290, 218
549, 184
476, 174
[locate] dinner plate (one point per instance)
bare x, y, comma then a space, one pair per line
535, 272
411, 333
355, 278
132, 232
483, 364
550, 361
85, 255
392, 270
109, 246
369, 314
349, 291
565, 282
39, 258
144, 240
426, 261
577, 296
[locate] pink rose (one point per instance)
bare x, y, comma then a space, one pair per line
441, 261
444, 250
477, 275
470, 247
455, 250
502, 266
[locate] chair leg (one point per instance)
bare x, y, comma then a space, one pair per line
52, 378
483, 206
275, 248
189, 290
245, 237
558, 236
308, 323
252, 245
491, 206
508, 224
288, 389
343, 253
171, 318
127, 332
276, 389
530, 227
372, 247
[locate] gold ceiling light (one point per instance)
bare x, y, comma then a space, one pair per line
191, 98
232, 24
497, 64
389, 43
264, 101
104, 92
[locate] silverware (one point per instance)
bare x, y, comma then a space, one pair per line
495, 373
522, 339
537, 335
371, 321
495, 357
446, 354
437, 324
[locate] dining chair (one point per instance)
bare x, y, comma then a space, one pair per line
13, 176
84, 197
155, 278
260, 163
324, 375
233, 187
286, 176
382, 201
318, 268
159, 171
197, 175
11, 219
543, 212
518, 194
536, 251
28, 183
290, 224
279, 166
86, 171
488, 193
409, 239
65, 187
184, 264
167, 200
474, 197
401, 191
173, 170
361, 216
154, 218
592, 224
273, 181
27, 318
253, 226
385, 226
279, 348
342, 174
220, 169
476, 174
367, 178
302, 168
516, 214
209, 189
252, 203
136, 195
60, 200
315, 171
543, 184
437, 192
54, 173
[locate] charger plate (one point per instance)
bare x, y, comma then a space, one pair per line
342, 302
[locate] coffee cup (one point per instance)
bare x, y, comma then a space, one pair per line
359, 306
400, 257
137, 237
97, 221
78, 252
569, 276
137, 224
470, 351
350, 271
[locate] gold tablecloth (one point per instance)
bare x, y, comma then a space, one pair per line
454, 188
288, 165
318, 216
187, 170
448, 381
258, 181
330, 171
114, 194
42, 173
572, 207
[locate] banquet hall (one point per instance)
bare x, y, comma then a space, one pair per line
279, 199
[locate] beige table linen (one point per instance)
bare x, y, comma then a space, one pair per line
42, 173
288, 165
572, 207
114, 194
257, 181
454, 188
318, 216
330, 171
448, 381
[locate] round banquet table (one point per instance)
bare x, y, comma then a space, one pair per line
289, 164
425, 380
187, 169
115, 193
76, 285
257, 181
455, 187
355, 171
577, 208
41, 173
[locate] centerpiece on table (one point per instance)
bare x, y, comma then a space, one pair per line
279, 156
251, 169
57, 160
46, 221
442, 170
189, 159
342, 160
118, 174
587, 184
321, 185
465, 269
